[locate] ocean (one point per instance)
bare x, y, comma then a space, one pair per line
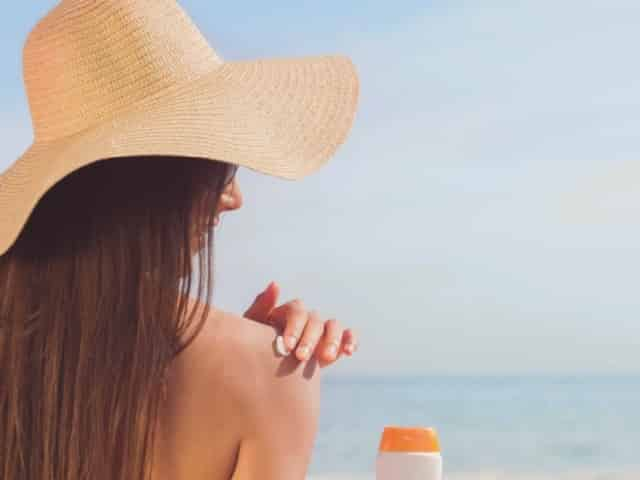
490, 427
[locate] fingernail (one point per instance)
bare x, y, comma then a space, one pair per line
291, 341
303, 351
350, 348
226, 198
332, 349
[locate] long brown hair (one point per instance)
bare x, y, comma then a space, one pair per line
93, 309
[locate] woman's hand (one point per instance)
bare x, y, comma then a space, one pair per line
305, 331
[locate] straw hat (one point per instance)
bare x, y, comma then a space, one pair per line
116, 78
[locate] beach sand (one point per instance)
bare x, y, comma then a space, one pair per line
577, 475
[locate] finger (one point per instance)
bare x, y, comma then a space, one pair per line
280, 312
279, 315
291, 317
349, 342
312, 333
264, 304
331, 341
345, 340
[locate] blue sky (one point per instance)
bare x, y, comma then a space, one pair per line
482, 217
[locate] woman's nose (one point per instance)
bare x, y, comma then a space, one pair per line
232, 197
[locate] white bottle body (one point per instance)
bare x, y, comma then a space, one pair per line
408, 466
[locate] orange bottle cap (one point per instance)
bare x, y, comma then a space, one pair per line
403, 439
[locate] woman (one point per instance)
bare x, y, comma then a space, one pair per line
110, 366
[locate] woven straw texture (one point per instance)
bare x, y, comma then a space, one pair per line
118, 78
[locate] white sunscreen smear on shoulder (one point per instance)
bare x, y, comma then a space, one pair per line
280, 347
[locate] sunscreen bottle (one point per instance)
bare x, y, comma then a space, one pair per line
409, 454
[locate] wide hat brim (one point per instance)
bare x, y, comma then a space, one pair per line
284, 117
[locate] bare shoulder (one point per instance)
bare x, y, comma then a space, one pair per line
264, 407
250, 362
279, 399
237, 355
